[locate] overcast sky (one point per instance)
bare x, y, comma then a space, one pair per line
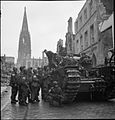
47, 22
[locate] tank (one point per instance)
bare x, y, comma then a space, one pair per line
98, 81
68, 79
79, 77
72, 83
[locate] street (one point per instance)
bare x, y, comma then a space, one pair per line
42, 110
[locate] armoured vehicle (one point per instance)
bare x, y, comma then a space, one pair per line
78, 76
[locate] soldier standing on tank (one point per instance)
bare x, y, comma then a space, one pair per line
14, 85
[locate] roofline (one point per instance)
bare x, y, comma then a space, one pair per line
82, 8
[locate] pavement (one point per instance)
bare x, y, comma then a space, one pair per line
42, 110
4, 89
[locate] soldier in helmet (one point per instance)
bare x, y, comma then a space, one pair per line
24, 87
35, 86
14, 85
55, 94
19, 83
29, 77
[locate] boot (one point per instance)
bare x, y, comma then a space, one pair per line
37, 99
16, 100
13, 102
23, 104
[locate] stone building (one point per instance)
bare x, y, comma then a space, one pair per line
69, 38
24, 49
87, 33
61, 50
59, 45
7, 63
34, 63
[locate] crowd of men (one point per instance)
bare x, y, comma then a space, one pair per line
26, 84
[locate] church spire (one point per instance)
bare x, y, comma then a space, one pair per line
25, 23
24, 49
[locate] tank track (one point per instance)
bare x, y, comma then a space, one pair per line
71, 89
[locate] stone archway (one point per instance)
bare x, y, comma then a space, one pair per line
94, 60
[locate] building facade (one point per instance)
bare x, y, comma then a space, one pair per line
69, 38
7, 63
34, 63
87, 33
59, 45
24, 49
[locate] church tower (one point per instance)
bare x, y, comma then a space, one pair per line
24, 49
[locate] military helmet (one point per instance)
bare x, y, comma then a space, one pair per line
14, 69
22, 68
35, 70
55, 82
25, 71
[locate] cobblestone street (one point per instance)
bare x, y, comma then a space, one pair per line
42, 110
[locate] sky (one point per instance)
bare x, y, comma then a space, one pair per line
47, 23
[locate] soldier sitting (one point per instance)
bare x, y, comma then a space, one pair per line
14, 85
55, 94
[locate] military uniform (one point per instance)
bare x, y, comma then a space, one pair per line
14, 85
35, 87
24, 88
29, 78
55, 94
39, 81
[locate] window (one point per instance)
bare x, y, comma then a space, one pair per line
80, 20
90, 6
85, 14
86, 39
76, 26
92, 34
81, 43
77, 46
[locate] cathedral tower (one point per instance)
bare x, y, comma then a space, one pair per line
24, 49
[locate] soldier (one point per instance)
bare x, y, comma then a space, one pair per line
29, 77
14, 85
55, 94
19, 83
35, 87
24, 87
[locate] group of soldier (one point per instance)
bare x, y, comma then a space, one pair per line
26, 84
